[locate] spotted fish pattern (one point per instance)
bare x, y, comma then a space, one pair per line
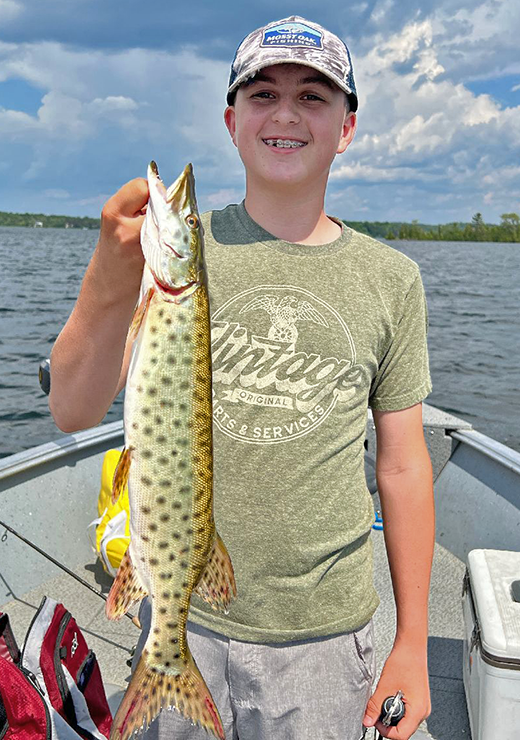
168, 463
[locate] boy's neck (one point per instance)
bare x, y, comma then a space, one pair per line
299, 219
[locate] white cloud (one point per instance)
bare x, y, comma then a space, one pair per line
95, 200
9, 10
483, 110
418, 126
57, 194
369, 173
502, 175
425, 141
222, 197
381, 10
16, 124
167, 101
113, 102
347, 202
61, 116
479, 41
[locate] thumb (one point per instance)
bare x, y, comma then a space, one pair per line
372, 713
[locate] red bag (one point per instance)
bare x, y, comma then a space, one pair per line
54, 689
23, 712
24, 715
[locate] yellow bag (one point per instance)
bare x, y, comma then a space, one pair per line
113, 523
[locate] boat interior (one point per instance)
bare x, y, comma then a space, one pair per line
49, 495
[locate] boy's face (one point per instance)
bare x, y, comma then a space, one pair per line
299, 106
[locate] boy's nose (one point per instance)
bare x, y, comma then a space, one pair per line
286, 112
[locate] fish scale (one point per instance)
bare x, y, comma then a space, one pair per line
178, 530
168, 465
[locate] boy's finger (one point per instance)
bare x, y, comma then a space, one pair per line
372, 711
130, 199
402, 731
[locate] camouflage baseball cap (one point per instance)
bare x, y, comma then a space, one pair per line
297, 41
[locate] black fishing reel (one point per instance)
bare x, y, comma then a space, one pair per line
44, 376
392, 710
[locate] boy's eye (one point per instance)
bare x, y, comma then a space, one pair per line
267, 95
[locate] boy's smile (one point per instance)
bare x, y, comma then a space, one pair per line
288, 123
285, 143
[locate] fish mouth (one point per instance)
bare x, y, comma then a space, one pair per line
181, 193
183, 291
179, 256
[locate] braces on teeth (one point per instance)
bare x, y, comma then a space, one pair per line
284, 143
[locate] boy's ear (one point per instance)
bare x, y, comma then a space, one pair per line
348, 131
230, 121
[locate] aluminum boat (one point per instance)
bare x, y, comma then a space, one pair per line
49, 495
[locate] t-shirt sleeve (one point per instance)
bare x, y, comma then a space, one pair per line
403, 377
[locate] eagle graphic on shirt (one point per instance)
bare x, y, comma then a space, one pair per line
284, 313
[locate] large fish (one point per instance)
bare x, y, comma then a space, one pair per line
167, 462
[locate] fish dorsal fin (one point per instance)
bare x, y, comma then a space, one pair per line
217, 582
126, 590
121, 473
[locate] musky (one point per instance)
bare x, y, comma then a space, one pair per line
91, 90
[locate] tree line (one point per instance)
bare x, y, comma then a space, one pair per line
48, 222
508, 230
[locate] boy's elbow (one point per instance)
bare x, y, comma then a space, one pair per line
68, 422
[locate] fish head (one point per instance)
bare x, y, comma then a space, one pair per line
171, 234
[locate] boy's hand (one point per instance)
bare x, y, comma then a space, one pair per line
406, 670
119, 249
123, 214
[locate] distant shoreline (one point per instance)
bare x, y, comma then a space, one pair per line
41, 220
476, 231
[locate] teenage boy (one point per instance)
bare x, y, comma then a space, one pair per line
311, 324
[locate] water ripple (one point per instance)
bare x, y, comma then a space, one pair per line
472, 292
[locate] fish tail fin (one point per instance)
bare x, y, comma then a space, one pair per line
217, 581
151, 690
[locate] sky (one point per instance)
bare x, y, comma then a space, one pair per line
92, 90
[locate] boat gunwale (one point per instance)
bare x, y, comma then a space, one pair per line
62, 447
490, 448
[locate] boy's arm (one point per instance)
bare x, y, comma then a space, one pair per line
88, 358
404, 477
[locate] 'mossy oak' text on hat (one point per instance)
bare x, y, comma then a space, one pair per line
297, 41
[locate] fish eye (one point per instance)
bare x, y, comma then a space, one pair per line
192, 221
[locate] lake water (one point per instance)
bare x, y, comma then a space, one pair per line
473, 297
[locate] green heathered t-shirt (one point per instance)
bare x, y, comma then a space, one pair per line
304, 339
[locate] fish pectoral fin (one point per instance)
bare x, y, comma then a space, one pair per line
126, 589
217, 582
140, 312
121, 473
152, 689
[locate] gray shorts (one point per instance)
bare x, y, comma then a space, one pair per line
309, 689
